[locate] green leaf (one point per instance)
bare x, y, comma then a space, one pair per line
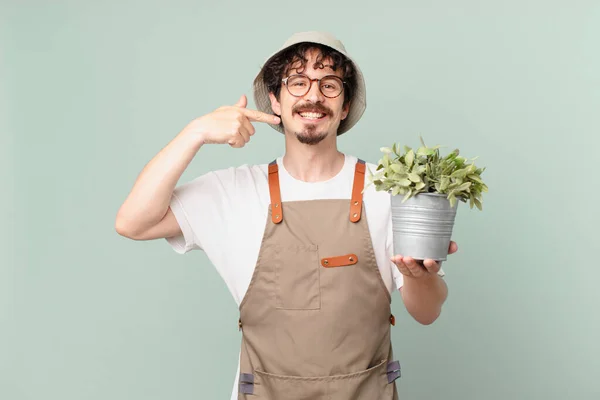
410, 158
386, 150
419, 169
420, 185
424, 151
407, 196
475, 178
395, 190
414, 177
404, 182
452, 199
452, 155
386, 161
459, 173
463, 187
478, 204
444, 183
396, 168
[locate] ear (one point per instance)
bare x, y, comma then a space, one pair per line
345, 111
275, 105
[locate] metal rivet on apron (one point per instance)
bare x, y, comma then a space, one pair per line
351, 258
356, 203
325, 262
355, 215
276, 205
277, 216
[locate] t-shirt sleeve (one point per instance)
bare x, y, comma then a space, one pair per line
200, 207
187, 241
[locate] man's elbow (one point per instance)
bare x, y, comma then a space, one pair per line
126, 229
427, 320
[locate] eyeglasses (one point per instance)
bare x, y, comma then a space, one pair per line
298, 85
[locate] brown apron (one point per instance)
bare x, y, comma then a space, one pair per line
316, 316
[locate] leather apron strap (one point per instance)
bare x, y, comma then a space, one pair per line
355, 202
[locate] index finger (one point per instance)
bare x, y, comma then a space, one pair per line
254, 115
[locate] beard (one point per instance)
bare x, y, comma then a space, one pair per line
309, 136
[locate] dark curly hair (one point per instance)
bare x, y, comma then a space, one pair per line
279, 65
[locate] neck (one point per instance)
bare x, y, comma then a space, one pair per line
312, 163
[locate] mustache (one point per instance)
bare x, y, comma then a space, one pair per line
317, 107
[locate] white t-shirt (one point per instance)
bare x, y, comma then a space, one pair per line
224, 213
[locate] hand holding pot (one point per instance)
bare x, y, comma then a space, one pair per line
410, 267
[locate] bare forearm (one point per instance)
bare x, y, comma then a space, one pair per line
423, 297
149, 199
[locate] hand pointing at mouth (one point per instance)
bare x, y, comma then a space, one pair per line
230, 124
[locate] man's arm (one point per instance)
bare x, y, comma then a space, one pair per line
145, 214
423, 290
423, 297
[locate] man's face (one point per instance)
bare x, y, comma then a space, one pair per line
312, 117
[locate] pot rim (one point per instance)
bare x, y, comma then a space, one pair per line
423, 193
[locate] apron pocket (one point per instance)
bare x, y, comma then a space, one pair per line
297, 277
369, 384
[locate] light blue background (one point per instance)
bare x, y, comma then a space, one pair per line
91, 91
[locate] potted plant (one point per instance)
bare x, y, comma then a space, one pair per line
425, 189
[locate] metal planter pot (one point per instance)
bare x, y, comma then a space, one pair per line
422, 225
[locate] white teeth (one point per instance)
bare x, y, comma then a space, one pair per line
311, 115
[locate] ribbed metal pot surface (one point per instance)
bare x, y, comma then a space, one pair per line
422, 226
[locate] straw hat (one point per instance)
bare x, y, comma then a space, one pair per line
359, 102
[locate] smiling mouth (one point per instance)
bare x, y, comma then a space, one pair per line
312, 115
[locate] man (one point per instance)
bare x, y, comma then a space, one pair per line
304, 252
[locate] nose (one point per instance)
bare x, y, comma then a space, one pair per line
314, 94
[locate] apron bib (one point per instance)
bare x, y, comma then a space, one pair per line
316, 316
